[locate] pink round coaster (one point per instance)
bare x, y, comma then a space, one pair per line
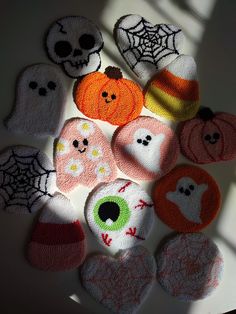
145, 148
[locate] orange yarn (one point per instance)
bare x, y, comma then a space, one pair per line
109, 97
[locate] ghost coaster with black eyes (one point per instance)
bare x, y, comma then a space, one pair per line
75, 43
119, 214
40, 102
187, 199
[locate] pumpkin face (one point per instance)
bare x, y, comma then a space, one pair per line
209, 137
109, 97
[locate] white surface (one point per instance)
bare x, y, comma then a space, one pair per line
209, 27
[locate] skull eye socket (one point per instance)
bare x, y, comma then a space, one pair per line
86, 41
207, 137
216, 136
63, 48
148, 138
181, 189
191, 187
139, 140
51, 85
33, 85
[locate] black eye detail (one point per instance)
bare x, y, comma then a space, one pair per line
63, 48
148, 137
52, 85
86, 41
85, 142
216, 136
191, 187
113, 96
181, 190
207, 137
75, 143
33, 85
139, 140
104, 94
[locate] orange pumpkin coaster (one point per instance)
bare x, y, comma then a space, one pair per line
109, 97
187, 199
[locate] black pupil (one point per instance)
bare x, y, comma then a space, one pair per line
109, 210
104, 94
148, 137
113, 96
33, 85
86, 41
75, 143
191, 187
207, 137
85, 142
181, 190
216, 136
139, 140
51, 85
63, 48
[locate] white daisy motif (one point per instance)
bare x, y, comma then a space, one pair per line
74, 167
94, 153
85, 128
102, 170
62, 147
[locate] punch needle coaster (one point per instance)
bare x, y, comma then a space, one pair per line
174, 92
210, 137
187, 199
109, 97
83, 155
189, 266
58, 241
27, 179
145, 148
40, 102
119, 214
75, 43
145, 47
121, 284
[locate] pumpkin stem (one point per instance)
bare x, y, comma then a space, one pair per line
205, 114
113, 73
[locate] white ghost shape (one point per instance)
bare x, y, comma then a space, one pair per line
187, 197
146, 149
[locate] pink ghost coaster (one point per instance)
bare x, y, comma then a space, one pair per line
145, 148
83, 155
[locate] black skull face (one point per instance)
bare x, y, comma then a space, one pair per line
42, 90
108, 98
212, 138
80, 146
186, 190
144, 141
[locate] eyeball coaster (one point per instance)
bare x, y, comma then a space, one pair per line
75, 43
120, 284
40, 102
210, 137
83, 155
189, 266
147, 48
119, 214
187, 199
58, 241
27, 179
109, 97
145, 148
174, 92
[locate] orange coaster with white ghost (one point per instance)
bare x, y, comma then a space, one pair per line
187, 199
83, 155
145, 148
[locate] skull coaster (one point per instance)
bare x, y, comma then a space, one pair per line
75, 43
187, 199
119, 214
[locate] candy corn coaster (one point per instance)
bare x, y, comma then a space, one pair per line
187, 199
119, 214
121, 284
174, 92
58, 241
145, 148
189, 266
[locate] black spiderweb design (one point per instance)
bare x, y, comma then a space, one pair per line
150, 43
24, 182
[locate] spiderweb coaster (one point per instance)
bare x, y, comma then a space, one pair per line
145, 47
189, 266
27, 179
120, 284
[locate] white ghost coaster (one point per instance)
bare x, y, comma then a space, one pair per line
119, 214
145, 148
145, 47
75, 43
40, 101
187, 199
27, 179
